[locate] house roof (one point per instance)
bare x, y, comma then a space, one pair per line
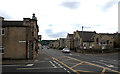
87, 36
12, 23
70, 35
109, 34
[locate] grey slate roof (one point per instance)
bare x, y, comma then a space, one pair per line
70, 35
109, 34
87, 36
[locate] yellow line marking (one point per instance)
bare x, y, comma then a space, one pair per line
60, 57
66, 65
94, 65
76, 65
103, 70
70, 62
83, 71
66, 60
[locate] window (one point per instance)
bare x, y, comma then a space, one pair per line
110, 42
2, 31
97, 40
2, 49
32, 33
107, 41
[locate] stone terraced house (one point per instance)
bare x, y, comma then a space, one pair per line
20, 38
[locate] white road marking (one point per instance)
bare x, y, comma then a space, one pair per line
106, 61
108, 65
114, 60
29, 64
53, 64
64, 68
58, 64
68, 71
34, 68
12, 65
70, 54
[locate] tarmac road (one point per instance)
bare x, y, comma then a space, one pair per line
54, 61
87, 63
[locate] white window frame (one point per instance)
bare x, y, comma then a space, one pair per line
2, 48
2, 30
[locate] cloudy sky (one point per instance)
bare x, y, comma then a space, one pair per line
56, 18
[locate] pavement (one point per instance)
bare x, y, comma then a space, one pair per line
41, 57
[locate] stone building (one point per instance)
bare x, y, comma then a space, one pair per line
103, 41
62, 42
56, 44
69, 41
1, 33
83, 39
117, 40
20, 39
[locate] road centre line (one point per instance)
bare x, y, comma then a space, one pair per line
66, 65
94, 64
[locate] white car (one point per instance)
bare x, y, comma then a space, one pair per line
66, 50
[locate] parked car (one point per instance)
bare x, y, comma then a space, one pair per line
66, 50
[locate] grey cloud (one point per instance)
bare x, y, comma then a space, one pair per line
50, 33
50, 25
108, 5
97, 25
4, 14
71, 5
79, 26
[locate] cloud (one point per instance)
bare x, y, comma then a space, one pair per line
108, 5
97, 25
4, 14
71, 5
50, 33
50, 25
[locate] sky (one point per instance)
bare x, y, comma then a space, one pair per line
56, 18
